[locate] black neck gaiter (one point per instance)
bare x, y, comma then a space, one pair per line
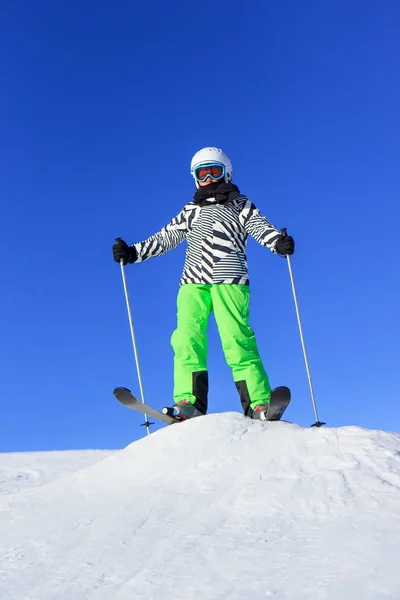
221, 191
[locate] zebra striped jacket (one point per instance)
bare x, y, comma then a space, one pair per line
217, 235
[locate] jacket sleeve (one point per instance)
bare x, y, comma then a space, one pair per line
258, 226
167, 239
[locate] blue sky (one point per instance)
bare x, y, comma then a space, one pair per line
103, 106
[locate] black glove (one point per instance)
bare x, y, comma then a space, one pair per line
121, 251
285, 244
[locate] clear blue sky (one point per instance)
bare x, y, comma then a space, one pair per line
102, 106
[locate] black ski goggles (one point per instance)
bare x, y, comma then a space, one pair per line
214, 171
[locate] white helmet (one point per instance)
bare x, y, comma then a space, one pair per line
208, 155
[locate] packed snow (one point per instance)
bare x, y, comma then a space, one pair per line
219, 507
21, 469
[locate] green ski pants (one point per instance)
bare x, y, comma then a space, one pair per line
230, 303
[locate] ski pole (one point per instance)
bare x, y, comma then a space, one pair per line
317, 423
128, 306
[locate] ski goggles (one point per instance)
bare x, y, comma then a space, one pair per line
214, 171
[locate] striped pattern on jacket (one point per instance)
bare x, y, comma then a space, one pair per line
217, 236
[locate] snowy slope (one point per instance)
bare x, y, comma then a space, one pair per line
26, 469
220, 507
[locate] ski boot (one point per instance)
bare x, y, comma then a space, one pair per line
182, 410
260, 412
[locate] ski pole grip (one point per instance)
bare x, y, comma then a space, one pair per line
284, 231
118, 240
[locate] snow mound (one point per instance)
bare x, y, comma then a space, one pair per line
220, 507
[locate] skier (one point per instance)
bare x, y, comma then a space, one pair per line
216, 224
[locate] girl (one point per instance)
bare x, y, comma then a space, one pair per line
216, 224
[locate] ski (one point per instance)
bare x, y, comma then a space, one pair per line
125, 397
280, 400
